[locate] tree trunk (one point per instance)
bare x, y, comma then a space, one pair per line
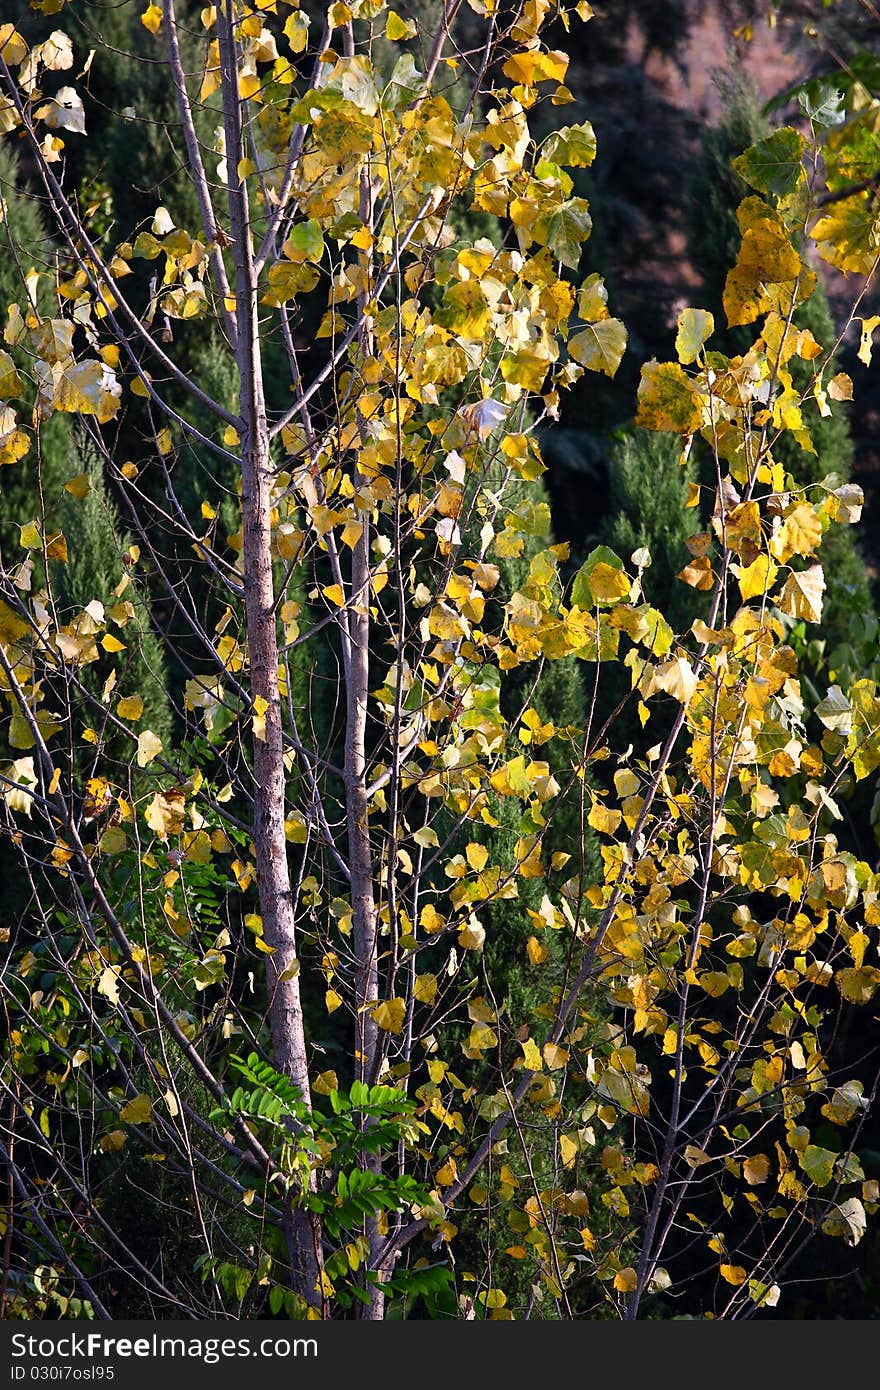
302, 1229
363, 900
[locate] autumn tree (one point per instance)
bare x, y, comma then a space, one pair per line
257, 952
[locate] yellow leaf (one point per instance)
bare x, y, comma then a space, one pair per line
296, 829
866, 344
296, 31
532, 1055
858, 986
668, 400
332, 1000
536, 953
603, 819
698, 573
755, 579
734, 1274
390, 1014
477, 856
840, 387
79, 486
568, 1150
801, 596
534, 66
149, 746
325, 1083
472, 936
800, 533
430, 919
108, 984
138, 1111
152, 18
261, 704
695, 326
756, 1169
425, 988
12, 45
626, 1280
397, 28
165, 813
677, 678
695, 1157
56, 548
607, 584
554, 1055
600, 346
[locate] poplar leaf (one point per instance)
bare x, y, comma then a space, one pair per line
668, 399
695, 326
756, 1169
801, 596
866, 342
152, 18
756, 579
600, 346
390, 1014
774, 165
138, 1111
149, 746
677, 678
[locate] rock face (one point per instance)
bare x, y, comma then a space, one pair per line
716, 41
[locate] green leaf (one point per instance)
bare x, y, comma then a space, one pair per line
567, 230
574, 145
305, 243
818, 1164
407, 82
774, 164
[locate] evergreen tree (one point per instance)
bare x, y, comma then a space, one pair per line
649, 510
94, 570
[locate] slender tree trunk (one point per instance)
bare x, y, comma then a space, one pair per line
363, 903
302, 1229
363, 900
360, 858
